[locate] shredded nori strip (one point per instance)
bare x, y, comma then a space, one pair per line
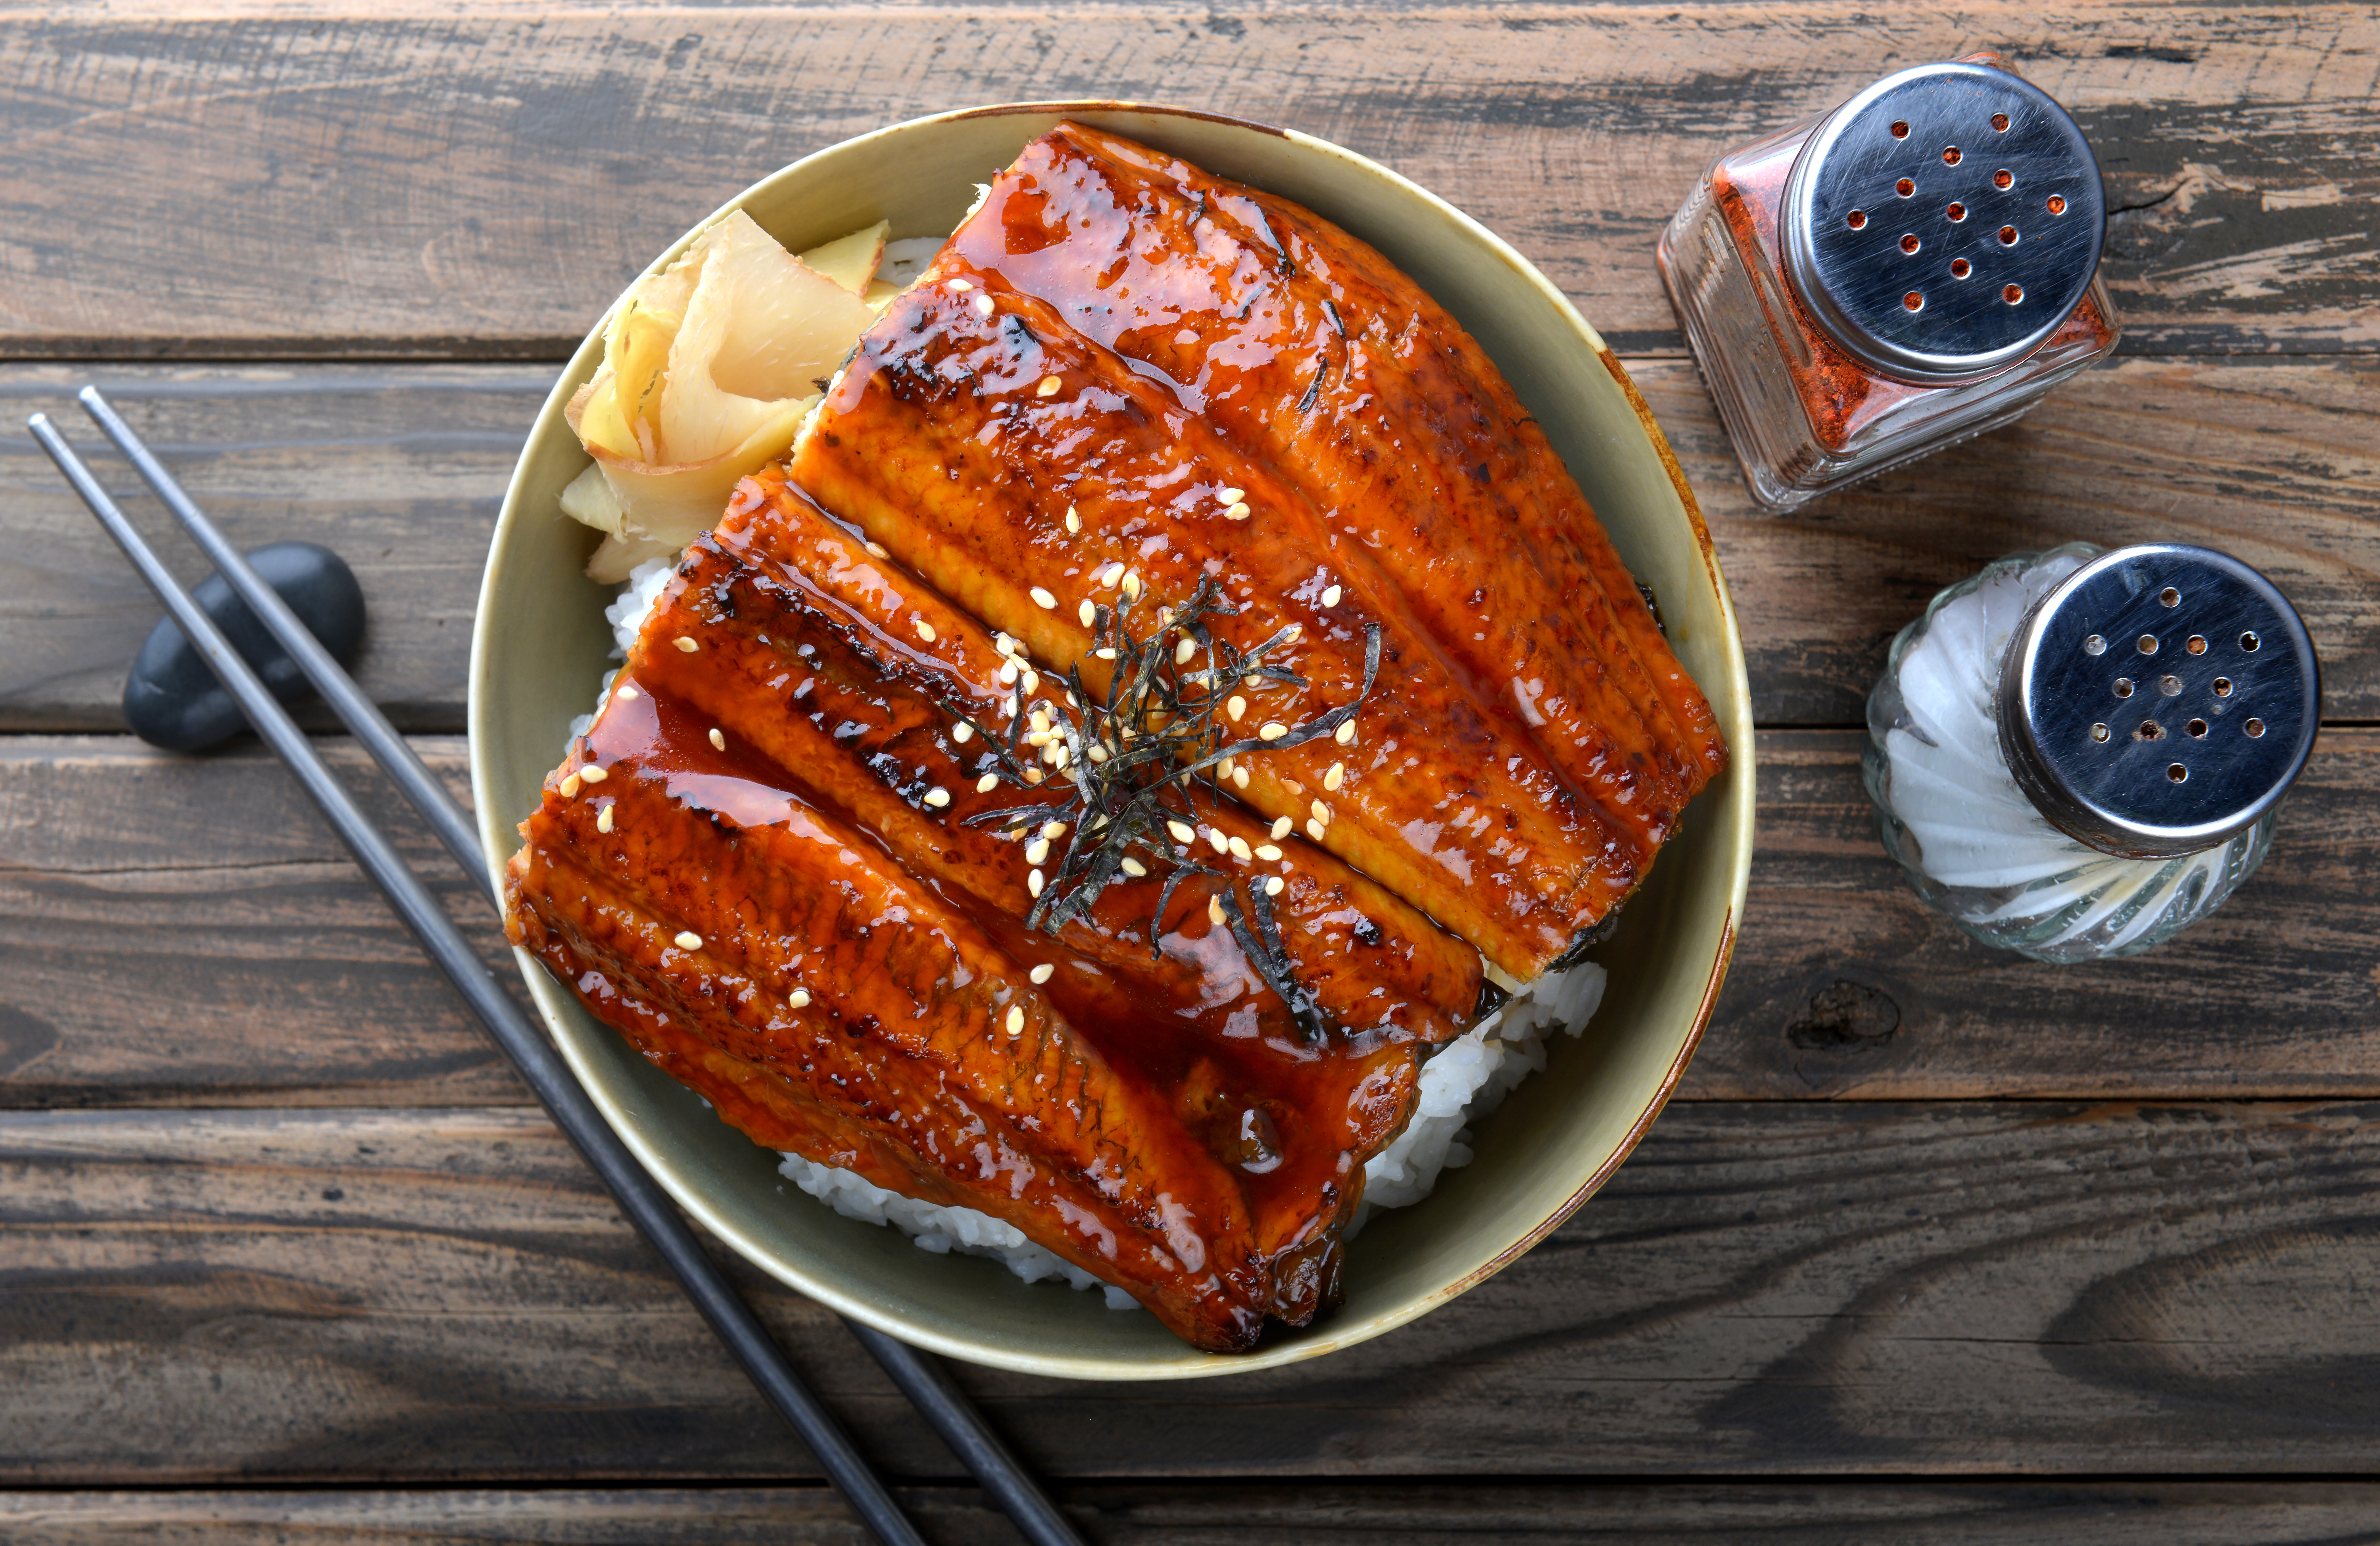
1159, 733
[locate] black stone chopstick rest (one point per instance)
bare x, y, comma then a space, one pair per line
173, 701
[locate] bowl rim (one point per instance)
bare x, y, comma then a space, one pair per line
499, 839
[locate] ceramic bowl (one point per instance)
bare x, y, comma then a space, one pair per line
540, 646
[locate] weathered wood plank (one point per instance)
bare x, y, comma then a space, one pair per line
303, 179
2111, 1513
402, 468
400, 472
187, 932
184, 929
1845, 985
1774, 1288
2277, 463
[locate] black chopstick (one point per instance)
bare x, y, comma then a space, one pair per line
638, 1196
928, 1386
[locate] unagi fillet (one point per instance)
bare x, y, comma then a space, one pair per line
787, 721
1118, 363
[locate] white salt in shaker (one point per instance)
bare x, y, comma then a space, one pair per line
2076, 754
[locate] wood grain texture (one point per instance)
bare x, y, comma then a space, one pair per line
1419, 1514
1765, 1288
293, 180
188, 930
180, 931
403, 467
401, 472
1846, 986
2275, 462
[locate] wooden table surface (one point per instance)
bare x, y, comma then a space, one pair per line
1935, 1243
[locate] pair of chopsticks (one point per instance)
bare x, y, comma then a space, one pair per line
923, 1381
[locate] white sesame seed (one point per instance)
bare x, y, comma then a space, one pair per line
688, 940
1088, 613
1111, 574
1073, 521
1007, 672
1346, 733
1230, 496
876, 550
938, 797
688, 645
1057, 755
1240, 849
1032, 776
987, 784
1043, 972
1336, 776
1295, 631
1004, 643
1048, 387
983, 306
1038, 718
1134, 867
591, 774
1275, 885
1235, 706
1183, 651
1222, 845
1037, 851
570, 787
1280, 828
1053, 829
1330, 597
1182, 832
1043, 600
962, 733
604, 820
1131, 585
1098, 754
1240, 777
925, 631
1267, 852
1015, 1020
1224, 768
1215, 911
1273, 730
1314, 830
623, 692
1238, 512
961, 286
1320, 812
1033, 881
718, 739
1105, 652
1032, 679
800, 998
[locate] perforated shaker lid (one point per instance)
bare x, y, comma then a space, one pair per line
1943, 222
2159, 701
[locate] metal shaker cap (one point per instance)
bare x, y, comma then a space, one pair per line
1944, 222
2159, 701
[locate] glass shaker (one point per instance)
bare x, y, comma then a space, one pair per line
1871, 285
2076, 754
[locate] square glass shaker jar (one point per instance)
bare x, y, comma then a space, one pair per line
1874, 283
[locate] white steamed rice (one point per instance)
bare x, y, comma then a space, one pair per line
1467, 1078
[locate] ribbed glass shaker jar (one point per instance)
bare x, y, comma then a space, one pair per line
1915, 267
2077, 754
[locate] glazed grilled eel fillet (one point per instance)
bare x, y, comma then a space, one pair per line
1122, 364
798, 919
